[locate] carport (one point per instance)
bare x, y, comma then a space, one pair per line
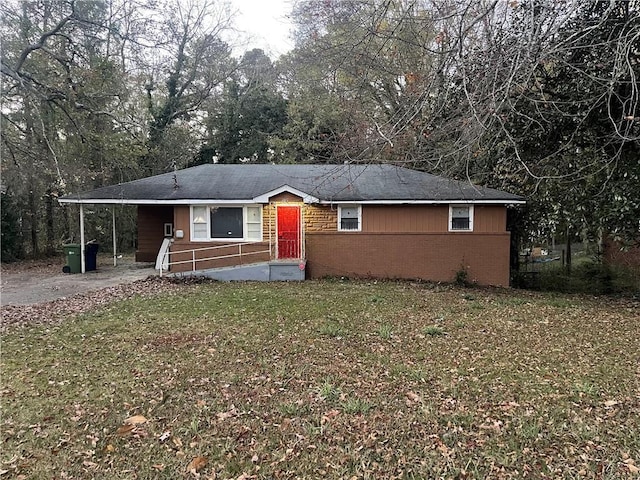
81, 203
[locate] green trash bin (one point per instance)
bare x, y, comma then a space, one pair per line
72, 251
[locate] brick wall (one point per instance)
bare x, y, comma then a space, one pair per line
431, 256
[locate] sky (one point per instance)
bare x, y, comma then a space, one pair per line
265, 25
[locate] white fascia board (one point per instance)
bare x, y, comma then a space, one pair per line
114, 201
306, 198
265, 199
422, 202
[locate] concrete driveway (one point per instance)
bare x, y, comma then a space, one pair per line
36, 283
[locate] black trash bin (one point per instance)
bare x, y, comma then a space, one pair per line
91, 256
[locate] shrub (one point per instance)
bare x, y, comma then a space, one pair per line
591, 277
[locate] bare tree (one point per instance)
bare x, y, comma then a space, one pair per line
531, 95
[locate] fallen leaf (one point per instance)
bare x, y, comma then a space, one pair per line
136, 420
329, 415
125, 430
196, 464
443, 449
164, 436
245, 476
414, 397
110, 448
611, 403
228, 414
632, 468
630, 464
158, 466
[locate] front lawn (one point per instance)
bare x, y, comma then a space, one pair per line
327, 379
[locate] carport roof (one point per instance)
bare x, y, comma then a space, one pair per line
248, 183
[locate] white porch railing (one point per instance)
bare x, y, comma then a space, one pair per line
163, 262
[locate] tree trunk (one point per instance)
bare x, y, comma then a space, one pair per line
50, 223
33, 216
568, 250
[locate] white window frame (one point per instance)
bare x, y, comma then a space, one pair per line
340, 207
471, 213
245, 223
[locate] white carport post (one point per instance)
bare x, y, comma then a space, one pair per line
113, 229
82, 262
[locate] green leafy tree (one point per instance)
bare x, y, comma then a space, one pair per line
250, 111
194, 62
10, 234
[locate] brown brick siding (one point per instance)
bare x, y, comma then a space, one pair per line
435, 257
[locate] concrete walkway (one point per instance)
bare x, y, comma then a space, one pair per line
33, 286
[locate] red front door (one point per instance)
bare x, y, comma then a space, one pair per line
288, 231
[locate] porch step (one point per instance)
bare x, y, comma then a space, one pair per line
279, 271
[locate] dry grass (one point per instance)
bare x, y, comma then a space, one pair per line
327, 379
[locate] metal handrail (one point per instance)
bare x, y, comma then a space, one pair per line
195, 260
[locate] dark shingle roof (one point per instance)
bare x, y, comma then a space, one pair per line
328, 183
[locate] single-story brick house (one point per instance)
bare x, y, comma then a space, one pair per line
374, 220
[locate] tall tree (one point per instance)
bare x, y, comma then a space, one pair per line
249, 113
191, 65
98, 92
538, 97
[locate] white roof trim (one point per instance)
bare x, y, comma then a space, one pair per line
265, 199
423, 202
306, 198
129, 201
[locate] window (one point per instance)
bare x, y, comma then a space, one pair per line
242, 223
349, 218
200, 230
226, 222
254, 223
461, 218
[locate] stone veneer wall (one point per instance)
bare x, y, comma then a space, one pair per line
320, 218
